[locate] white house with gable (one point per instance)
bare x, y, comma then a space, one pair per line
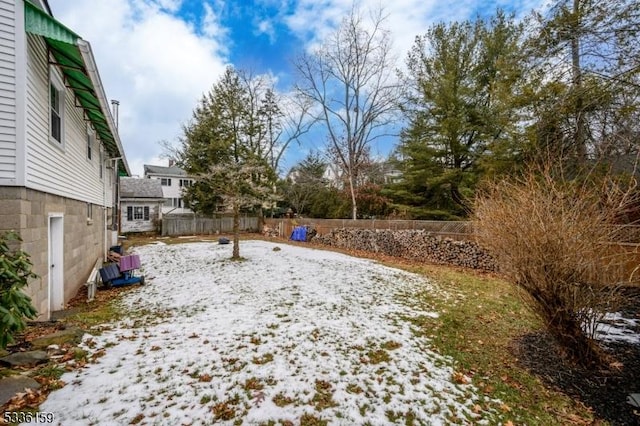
60, 153
173, 180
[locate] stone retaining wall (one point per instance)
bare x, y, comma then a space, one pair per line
411, 244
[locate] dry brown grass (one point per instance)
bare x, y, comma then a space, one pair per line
552, 237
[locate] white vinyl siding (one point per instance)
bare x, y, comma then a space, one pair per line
63, 169
172, 188
8, 145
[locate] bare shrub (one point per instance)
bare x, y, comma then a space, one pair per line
553, 238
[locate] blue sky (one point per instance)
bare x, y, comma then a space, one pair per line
158, 57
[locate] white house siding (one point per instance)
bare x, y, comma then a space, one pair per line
7, 91
60, 170
172, 191
139, 225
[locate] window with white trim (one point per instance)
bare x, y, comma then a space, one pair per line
137, 213
165, 181
91, 139
56, 108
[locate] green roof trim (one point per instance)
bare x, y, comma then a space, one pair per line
63, 45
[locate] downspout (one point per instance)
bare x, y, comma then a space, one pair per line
116, 205
104, 207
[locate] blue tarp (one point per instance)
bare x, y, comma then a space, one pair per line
299, 234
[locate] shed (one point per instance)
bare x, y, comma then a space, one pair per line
140, 204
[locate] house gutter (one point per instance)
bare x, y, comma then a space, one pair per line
92, 70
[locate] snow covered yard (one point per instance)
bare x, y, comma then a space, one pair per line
293, 336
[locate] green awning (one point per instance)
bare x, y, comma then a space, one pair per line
63, 45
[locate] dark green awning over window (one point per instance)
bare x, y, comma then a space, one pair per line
63, 45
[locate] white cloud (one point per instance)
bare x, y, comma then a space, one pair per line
211, 22
265, 26
169, 5
314, 20
157, 65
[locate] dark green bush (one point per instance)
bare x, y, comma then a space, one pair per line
15, 272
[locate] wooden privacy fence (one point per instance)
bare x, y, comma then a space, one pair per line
175, 226
458, 230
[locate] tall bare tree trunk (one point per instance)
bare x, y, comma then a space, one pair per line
354, 205
576, 71
358, 58
236, 231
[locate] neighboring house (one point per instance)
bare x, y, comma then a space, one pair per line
378, 172
172, 179
334, 176
59, 151
140, 204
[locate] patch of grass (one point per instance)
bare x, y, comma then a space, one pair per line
478, 326
391, 345
50, 371
253, 383
353, 388
376, 356
206, 378
94, 313
223, 411
323, 397
281, 401
264, 359
311, 420
6, 372
363, 409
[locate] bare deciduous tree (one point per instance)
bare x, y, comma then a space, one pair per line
285, 119
351, 80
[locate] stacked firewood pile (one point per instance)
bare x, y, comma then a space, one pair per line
411, 244
270, 232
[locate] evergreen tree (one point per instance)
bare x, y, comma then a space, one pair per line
305, 180
222, 148
463, 84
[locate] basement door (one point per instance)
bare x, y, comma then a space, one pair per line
56, 263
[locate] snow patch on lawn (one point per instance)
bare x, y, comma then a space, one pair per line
281, 336
616, 328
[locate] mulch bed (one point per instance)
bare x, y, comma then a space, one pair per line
605, 390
